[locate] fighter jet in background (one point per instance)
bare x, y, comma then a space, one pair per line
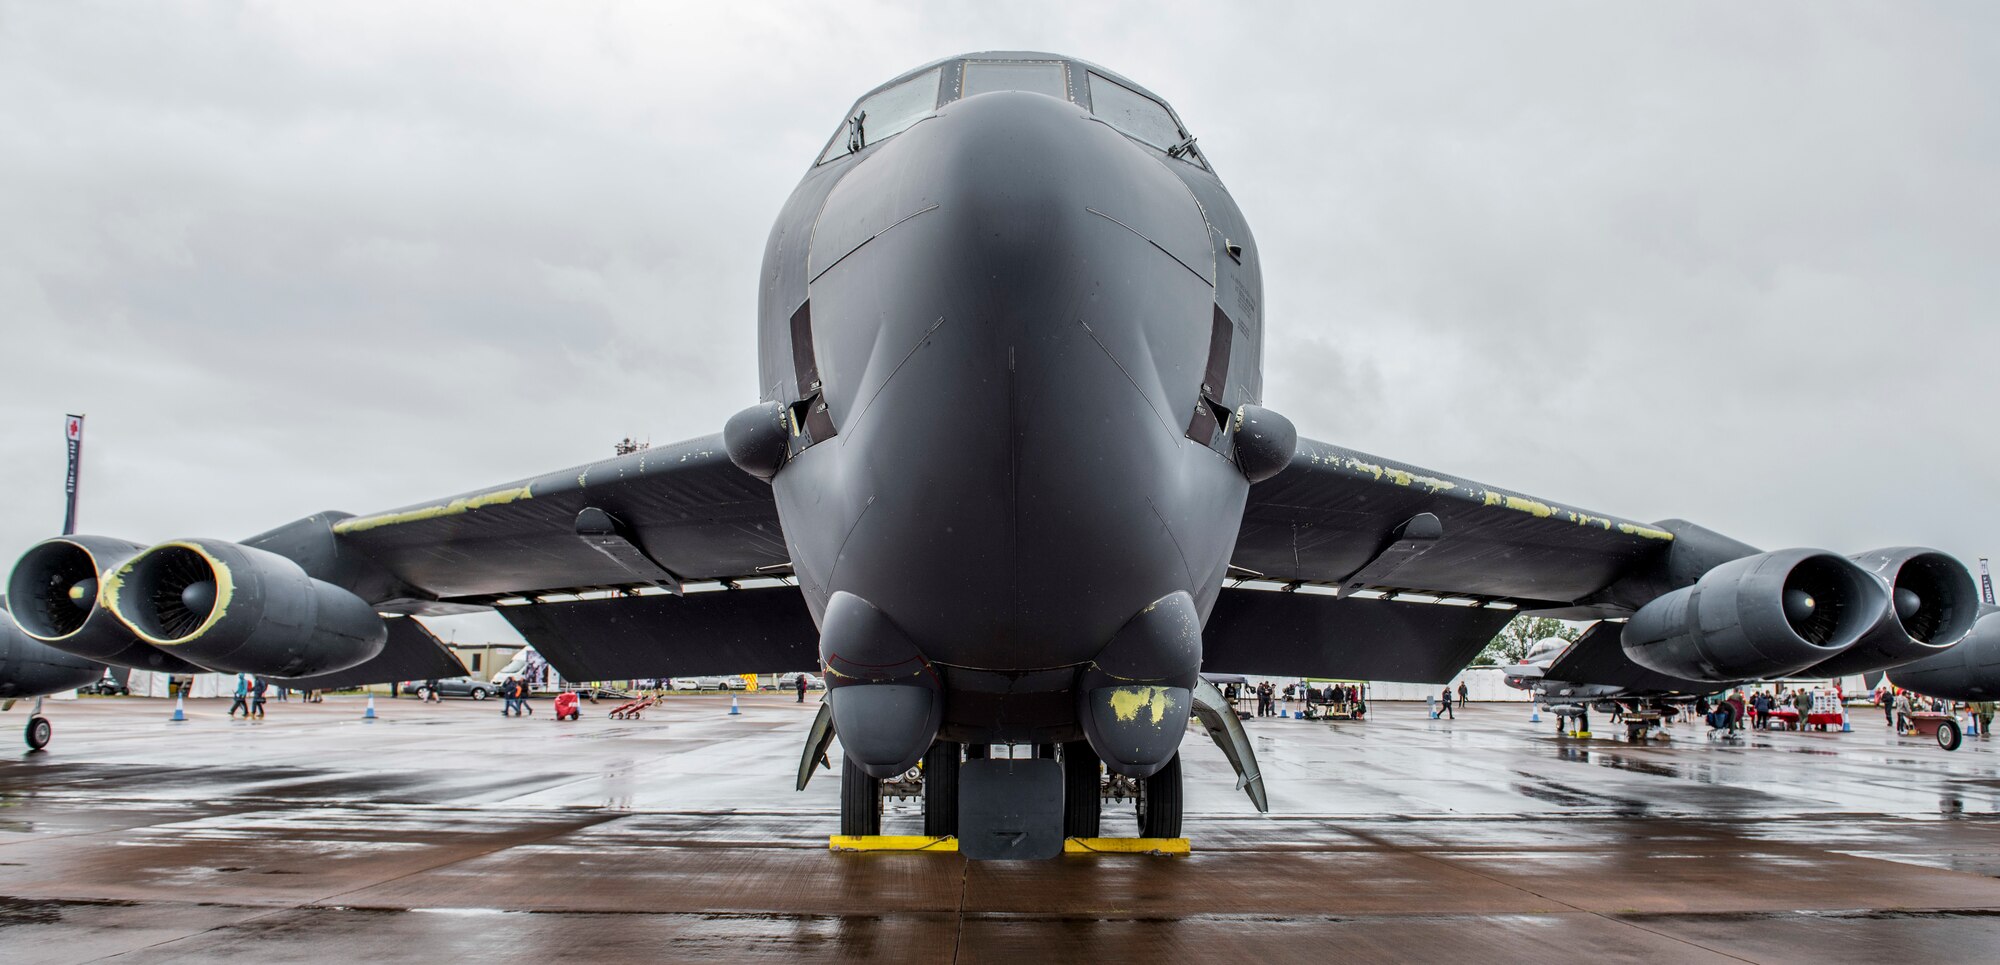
1011, 481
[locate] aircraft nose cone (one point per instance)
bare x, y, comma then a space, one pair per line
1018, 299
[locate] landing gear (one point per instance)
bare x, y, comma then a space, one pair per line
39, 732
860, 801
1083, 803
1160, 805
941, 789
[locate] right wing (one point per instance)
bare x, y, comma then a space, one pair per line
662, 516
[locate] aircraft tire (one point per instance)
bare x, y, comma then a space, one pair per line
39, 732
941, 789
1083, 803
1949, 736
860, 800
1160, 809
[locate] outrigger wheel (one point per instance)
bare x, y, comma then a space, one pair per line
860, 800
40, 730
1160, 802
941, 789
1083, 797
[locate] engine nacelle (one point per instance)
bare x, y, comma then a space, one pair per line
1767, 615
242, 610
31, 668
53, 594
1968, 671
1932, 605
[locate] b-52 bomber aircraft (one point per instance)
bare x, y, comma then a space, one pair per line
1014, 480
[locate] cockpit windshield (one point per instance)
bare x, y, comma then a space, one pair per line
1132, 113
985, 76
886, 113
1125, 109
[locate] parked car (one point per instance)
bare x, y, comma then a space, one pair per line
790, 681
707, 683
472, 687
106, 686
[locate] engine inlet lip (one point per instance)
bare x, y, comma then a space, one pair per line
1935, 570
32, 623
123, 598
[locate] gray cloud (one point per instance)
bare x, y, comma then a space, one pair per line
1727, 262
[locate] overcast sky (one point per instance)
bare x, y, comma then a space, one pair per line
1728, 262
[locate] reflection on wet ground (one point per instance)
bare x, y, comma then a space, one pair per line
448, 832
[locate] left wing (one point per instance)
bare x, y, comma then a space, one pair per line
1341, 518
1379, 533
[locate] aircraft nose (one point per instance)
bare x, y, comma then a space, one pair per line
1021, 180
1011, 306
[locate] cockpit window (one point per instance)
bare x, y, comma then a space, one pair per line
1133, 113
982, 76
886, 113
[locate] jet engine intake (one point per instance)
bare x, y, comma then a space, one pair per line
1932, 605
53, 594
241, 610
1766, 615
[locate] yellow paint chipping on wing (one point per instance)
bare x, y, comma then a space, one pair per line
466, 504
1645, 531
1128, 702
1519, 504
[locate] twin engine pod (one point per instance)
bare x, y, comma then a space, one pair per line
242, 610
1932, 606
53, 593
1767, 615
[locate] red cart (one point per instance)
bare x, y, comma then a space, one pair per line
566, 708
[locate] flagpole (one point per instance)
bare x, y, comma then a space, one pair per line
73, 431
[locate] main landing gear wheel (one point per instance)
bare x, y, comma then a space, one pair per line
860, 800
1160, 805
40, 730
941, 789
1083, 801
1949, 736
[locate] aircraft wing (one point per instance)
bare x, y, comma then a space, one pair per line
1342, 518
656, 517
1379, 532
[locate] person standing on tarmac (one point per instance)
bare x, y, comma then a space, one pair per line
242, 694
257, 690
801, 684
1444, 707
1464, 694
509, 702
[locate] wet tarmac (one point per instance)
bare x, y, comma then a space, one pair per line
441, 833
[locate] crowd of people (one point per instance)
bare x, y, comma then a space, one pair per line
1332, 700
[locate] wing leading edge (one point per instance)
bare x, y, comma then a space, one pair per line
656, 517
1343, 518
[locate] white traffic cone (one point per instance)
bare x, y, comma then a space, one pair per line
369, 714
733, 709
1534, 713
180, 710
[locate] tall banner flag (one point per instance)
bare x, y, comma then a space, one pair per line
73, 428
1985, 582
